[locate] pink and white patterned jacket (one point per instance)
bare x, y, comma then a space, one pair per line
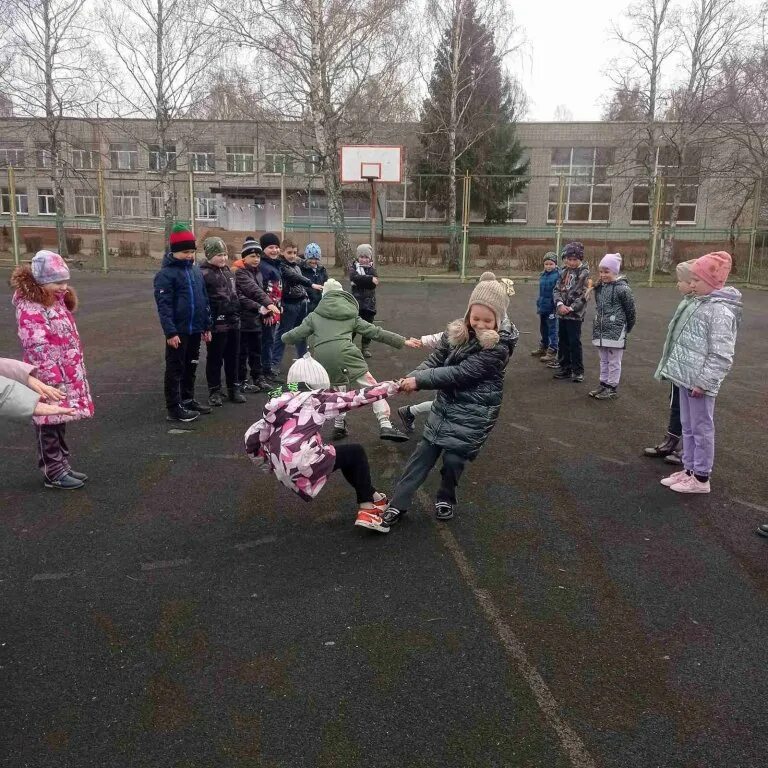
52, 345
287, 440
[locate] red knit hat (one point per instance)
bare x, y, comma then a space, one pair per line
182, 238
713, 269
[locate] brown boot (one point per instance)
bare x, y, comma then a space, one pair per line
664, 449
549, 356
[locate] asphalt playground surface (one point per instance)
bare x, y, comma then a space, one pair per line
186, 611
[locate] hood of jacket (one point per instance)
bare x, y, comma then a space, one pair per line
729, 296
338, 305
170, 261
27, 289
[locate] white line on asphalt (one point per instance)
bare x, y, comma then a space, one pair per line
520, 427
255, 543
56, 576
612, 460
560, 442
569, 739
165, 564
750, 505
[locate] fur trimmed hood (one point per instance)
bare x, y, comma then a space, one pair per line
459, 333
28, 290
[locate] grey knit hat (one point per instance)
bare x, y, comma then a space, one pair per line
364, 251
489, 292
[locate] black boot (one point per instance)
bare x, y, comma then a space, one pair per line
214, 397
235, 395
193, 405
670, 445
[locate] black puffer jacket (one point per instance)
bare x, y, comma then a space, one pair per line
222, 296
614, 314
363, 287
250, 290
294, 283
468, 371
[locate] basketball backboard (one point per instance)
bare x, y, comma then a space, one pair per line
360, 163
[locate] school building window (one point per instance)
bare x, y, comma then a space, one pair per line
124, 157
311, 163
202, 158
517, 208
161, 159
43, 156
46, 202
240, 159
125, 204
86, 203
205, 207
277, 162
674, 173
156, 205
586, 193
409, 201
22, 201
12, 154
85, 159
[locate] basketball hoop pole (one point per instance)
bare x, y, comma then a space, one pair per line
372, 181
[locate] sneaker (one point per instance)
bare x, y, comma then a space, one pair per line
382, 504
762, 530
578, 378
674, 458
443, 510
663, 449
64, 483
193, 405
599, 390
214, 399
392, 516
550, 357
368, 518
236, 396
562, 374
609, 393
248, 388
554, 365
393, 434
675, 477
180, 413
273, 378
689, 484
261, 384
407, 418
81, 476
540, 352
339, 433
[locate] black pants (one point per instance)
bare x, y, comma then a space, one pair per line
250, 355
52, 450
180, 370
352, 461
570, 346
224, 347
675, 425
367, 315
419, 466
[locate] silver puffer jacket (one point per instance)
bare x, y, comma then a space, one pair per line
698, 351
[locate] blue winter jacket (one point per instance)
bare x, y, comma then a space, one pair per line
545, 304
181, 298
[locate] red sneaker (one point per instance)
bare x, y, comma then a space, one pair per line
368, 518
381, 505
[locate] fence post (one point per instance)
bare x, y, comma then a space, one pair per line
559, 218
282, 203
14, 220
655, 227
103, 222
755, 224
465, 224
191, 181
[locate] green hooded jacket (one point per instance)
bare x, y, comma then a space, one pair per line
329, 331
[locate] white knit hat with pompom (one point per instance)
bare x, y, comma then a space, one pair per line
308, 371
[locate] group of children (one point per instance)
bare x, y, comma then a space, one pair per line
271, 290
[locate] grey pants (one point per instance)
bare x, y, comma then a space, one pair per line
419, 466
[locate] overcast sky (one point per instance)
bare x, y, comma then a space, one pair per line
568, 49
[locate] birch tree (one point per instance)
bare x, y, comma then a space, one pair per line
50, 73
164, 50
319, 57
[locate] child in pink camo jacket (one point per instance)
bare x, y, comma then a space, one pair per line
44, 305
287, 441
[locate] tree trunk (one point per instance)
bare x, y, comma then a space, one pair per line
453, 236
58, 194
667, 252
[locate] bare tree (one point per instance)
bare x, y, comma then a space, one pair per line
228, 94
51, 73
562, 114
164, 49
320, 57
626, 104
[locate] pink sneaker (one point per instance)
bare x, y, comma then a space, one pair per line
676, 477
690, 484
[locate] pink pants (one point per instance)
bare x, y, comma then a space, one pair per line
610, 365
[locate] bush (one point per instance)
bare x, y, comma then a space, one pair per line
33, 244
144, 249
74, 245
126, 250
96, 248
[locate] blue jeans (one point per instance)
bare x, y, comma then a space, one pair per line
294, 313
268, 338
548, 330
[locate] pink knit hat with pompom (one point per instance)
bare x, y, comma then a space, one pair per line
713, 269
